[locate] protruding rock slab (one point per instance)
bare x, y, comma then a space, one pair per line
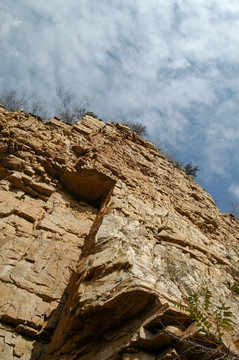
88, 185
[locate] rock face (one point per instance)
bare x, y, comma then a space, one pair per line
100, 235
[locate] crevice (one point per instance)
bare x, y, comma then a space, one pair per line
105, 209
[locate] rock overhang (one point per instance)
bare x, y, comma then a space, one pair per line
87, 185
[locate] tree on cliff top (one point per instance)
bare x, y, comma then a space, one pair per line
234, 209
30, 101
70, 109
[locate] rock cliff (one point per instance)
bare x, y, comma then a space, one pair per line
100, 235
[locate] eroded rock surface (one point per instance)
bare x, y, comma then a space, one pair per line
100, 236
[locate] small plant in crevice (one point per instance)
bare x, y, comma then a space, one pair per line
235, 287
191, 170
188, 168
206, 314
137, 128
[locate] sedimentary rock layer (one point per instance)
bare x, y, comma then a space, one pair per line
100, 236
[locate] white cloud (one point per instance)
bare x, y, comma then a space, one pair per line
234, 189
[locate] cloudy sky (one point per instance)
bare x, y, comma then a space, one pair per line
172, 65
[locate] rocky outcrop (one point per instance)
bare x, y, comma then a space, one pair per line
100, 236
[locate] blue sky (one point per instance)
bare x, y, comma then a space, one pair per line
172, 65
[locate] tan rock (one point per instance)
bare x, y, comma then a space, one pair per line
21, 225
100, 235
30, 210
42, 188
8, 203
138, 356
12, 162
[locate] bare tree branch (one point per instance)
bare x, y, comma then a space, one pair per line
71, 109
30, 101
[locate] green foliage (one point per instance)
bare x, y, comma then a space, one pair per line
178, 164
223, 317
235, 287
191, 170
205, 314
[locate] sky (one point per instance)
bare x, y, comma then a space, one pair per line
172, 65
